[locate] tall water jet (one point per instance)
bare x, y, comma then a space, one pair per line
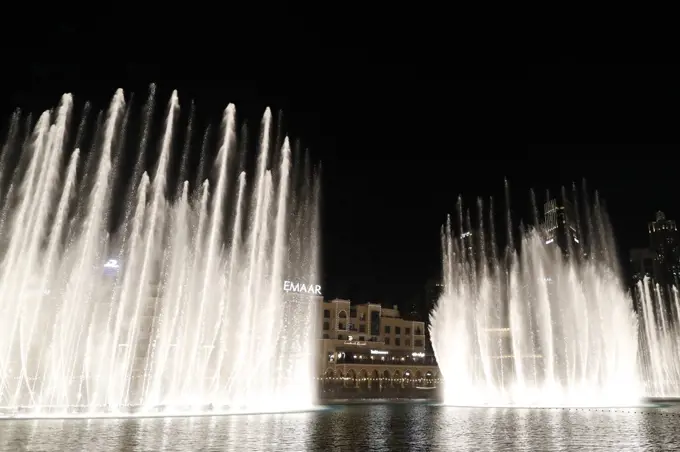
123, 288
659, 312
547, 324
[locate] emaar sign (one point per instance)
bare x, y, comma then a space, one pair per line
296, 287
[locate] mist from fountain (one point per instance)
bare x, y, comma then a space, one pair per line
124, 291
659, 312
536, 325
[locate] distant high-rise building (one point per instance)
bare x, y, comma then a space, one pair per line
561, 225
641, 263
476, 245
433, 290
664, 242
641, 267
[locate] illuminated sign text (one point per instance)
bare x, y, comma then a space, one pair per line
290, 286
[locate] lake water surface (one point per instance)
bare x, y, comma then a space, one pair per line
375, 427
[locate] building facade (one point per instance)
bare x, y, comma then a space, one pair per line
664, 242
560, 226
372, 348
433, 290
664, 250
641, 264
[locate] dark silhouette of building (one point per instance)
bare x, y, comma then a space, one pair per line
664, 242
467, 241
664, 245
477, 246
641, 264
433, 290
561, 226
660, 262
641, 267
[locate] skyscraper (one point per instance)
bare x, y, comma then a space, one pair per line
433, 290
561, 225
664, 242
642, 264
641, 267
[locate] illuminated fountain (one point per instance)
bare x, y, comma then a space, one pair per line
659, 311
127, 291
548, 322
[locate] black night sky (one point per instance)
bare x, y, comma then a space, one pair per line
399, 141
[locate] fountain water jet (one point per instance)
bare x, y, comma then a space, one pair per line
159, 296
541, 325
659, 312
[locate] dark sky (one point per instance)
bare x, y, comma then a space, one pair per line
400, 139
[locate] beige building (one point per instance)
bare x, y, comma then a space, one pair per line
372, 347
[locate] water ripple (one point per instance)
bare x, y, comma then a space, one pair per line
367, 428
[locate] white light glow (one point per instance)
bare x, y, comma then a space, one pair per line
195, 320
112, 263
536, 327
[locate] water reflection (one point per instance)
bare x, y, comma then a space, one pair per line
469, 429
361, 427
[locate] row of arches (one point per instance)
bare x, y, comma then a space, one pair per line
342, 320
374, 379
